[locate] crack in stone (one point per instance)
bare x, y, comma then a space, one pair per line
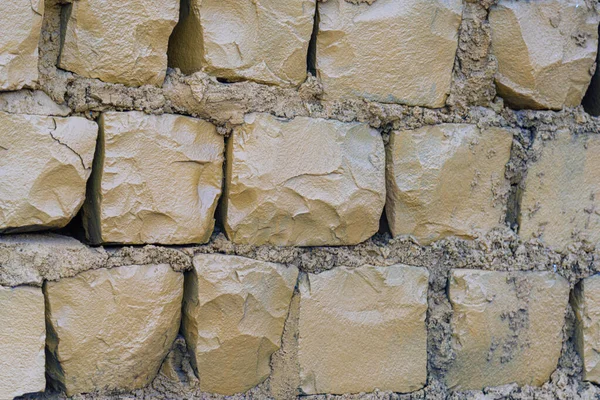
67, 146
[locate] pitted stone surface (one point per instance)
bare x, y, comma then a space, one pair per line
303, 182
233, 316
586, 304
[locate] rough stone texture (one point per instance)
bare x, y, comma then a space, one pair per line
546, 51
264, 41
119, 42
304, 182
111, 328
391, 51
561, 196
33, 102
586, 302
507, 327
446, 180
233, 317
22, 341
157, 179
44, 166
363, 329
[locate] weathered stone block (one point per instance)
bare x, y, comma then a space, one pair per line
546, 50
119, 42
446, 180
157, 179
363, 329
233, 316
303, 182
507, 327
586, 304
110, 329
44, 166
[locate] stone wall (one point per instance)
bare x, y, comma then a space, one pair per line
353, 199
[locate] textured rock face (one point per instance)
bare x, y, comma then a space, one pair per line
157, 179
44, 166
233, 318
112, 328
264, 41
561, 198
22, 341
363, 329
545, 49
507, 327
304, 182
586, 304
446, 180
391, 51
119, 42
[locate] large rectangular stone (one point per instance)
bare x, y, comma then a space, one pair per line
586, 304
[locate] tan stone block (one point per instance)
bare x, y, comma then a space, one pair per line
303, 182
119, 42
586, 304
233, 316
45, 163
264, 41
157, 179
446, 180
546, 50
110, 329
363, 329
507, 327
22, 341
390, 51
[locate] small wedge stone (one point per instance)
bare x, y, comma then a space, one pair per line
586, 304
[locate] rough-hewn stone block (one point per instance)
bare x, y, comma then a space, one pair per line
234, 312
304, 182
507, 327
586, 303
363, 329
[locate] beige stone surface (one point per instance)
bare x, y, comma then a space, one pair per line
561, 197
157, 179
45, 163
264, 41
546, 50
22, 341
586, 304
390, 51
303, 182
233, 317
33, 102
119, 42
363, 329
110, 329
507, 327
446, 180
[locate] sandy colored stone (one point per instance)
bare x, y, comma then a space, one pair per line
119, 42
44, 166
264, 41
157, 179
22, 341
507, 327
586, 304
446, 180
110, 329
303, 182
33, 102
391, 51
233, 317
363, 329
546, 50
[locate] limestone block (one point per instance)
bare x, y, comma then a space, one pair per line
363, 329
45, 163
390, 51
119, 42
446, 180
21, 25
264, 41
157, 179
22, 341
586, 304
561, 197
233, 316
546, 50
507, 327
303, 182
110, 329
